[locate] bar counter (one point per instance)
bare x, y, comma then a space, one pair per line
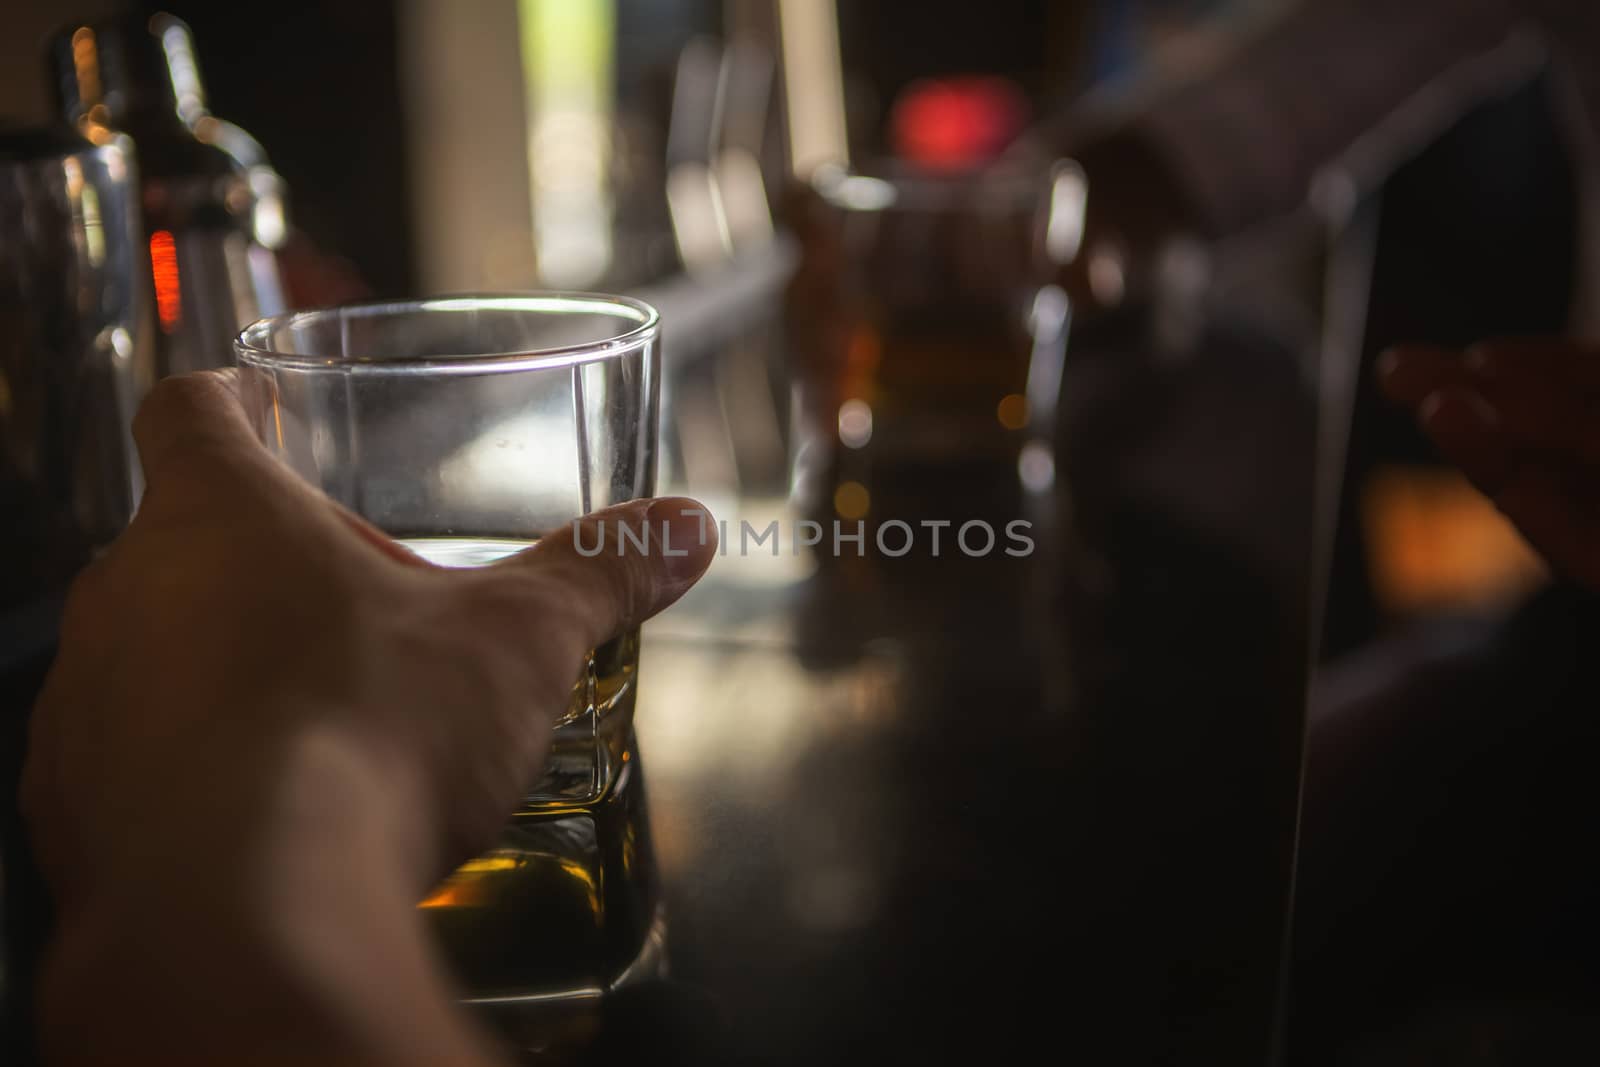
957, 809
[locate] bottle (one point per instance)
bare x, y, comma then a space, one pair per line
213, 206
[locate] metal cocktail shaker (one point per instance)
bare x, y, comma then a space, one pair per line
72, 365
213, 206
112, 275
74, 362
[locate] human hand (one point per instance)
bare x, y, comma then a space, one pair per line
1519, 417
269, 730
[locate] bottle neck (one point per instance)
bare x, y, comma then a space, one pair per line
130, 74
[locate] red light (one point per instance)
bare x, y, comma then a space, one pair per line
164, 268
957, 122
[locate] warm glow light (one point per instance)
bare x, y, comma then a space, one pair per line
1436, 544
851, 500
489, 864
449, 896
86, 58
579, 874
86, 61
463, 888
1012, 411
164, 269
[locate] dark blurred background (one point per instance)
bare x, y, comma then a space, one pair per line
944, 810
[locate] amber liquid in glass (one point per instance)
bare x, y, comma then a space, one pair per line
565, 906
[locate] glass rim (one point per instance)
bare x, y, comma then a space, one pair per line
252, 346
1004, 187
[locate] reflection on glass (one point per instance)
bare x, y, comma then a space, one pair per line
71, 373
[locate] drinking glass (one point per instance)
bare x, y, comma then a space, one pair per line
910, 319
467, 428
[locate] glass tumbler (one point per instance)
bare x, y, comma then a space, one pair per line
913, 344
466, 428
910, 310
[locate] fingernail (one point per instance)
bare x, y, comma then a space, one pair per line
682, 530
1388, 362
1477, 361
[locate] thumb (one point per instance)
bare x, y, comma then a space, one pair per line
615, 568
191, 416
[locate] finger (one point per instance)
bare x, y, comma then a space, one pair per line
189, 416
1408, 374
203, 461
1543, 395
608, 572
1574, 365
1466, 429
